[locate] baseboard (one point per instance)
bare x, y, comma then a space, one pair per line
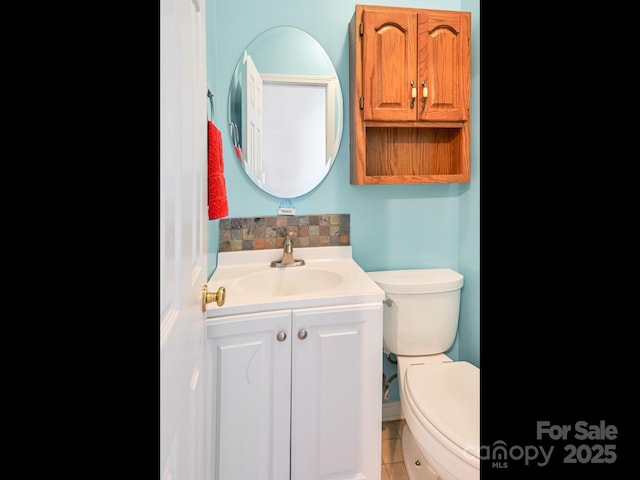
391, 411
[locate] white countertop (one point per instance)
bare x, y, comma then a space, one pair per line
356, 288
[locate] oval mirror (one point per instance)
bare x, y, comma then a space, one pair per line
285, 112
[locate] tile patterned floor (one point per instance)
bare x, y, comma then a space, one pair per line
392, 463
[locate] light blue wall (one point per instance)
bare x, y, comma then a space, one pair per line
468, 340
426, 225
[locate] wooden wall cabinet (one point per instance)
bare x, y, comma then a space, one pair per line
410, 72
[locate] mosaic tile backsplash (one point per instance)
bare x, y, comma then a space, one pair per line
260, 233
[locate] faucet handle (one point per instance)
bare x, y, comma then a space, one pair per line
288, 245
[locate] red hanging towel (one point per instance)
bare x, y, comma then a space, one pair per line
217, 200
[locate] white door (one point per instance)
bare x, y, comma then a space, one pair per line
252, 120
183, 242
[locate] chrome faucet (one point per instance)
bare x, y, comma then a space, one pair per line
287, 255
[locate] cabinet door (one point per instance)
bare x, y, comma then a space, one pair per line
443, 65
249, 396
336, 396
389, 49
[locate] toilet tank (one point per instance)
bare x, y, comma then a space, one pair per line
422, 306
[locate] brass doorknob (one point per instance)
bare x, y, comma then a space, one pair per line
208, 297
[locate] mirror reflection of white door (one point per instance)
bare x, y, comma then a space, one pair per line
183, 239
296, 120
252, 119
294, 145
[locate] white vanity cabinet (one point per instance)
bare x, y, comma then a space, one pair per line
294, 394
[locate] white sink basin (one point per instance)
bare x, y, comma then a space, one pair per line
288, 281
329, 277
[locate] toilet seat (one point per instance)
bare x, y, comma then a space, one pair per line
444, 397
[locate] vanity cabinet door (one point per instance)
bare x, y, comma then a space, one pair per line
336, 406
249, 384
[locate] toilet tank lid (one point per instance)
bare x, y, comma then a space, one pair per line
420, 280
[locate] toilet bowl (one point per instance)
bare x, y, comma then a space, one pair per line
439, 397
416, 465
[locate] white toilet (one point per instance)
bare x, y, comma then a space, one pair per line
439, 397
